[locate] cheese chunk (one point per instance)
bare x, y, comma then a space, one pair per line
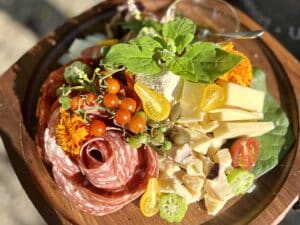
237, 129
168, 167
182, 152
244, 97
194, 184
201, 144
193, 166
213, 205
167, 84
223, 157
219, 187
234, 115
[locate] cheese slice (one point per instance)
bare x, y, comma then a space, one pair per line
234, 115
243, 97
229, 130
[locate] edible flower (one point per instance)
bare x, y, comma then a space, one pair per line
71, 131
240, 74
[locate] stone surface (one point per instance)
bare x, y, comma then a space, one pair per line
22, 23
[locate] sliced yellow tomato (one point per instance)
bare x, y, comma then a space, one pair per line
155, 105
214, 96
149, 200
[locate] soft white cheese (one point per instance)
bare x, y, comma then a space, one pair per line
167, 84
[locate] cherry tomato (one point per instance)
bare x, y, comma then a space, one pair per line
113, 85
128, 104
110, 100
155, 105
76, 102
245, 152
137, 124
98, 128
149, 200
91, 99
122, 117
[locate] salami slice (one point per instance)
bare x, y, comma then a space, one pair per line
108, 174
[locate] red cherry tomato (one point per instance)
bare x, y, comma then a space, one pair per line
245, 152
137, 124
76, 102
122, 117
113, 85
98, 128
128, 104
91, 99
110, 100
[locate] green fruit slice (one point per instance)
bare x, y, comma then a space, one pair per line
240, 180
172, 207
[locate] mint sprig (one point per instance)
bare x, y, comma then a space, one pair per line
172, 46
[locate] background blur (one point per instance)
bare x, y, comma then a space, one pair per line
23, 22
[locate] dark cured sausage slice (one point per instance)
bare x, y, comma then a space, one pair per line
130, 169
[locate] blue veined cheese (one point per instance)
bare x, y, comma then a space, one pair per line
168, 84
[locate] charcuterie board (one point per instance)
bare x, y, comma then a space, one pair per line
19, 89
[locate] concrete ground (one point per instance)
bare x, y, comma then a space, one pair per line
22, 23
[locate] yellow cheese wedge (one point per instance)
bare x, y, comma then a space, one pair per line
244, 97
236, 129
234, 115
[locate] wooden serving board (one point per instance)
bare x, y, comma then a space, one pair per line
276, 193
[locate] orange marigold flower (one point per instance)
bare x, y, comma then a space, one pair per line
70, 132
242, 73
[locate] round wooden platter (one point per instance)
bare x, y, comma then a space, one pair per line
276, 191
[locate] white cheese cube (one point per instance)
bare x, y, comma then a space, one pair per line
236, 129
194, 184
223, 157
213, 205
193, 166
182, 152
244, 97
201, 144
168, 167
219, 187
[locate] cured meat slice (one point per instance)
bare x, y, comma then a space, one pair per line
108, 174
108, 162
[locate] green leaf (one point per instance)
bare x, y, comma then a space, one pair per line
181, 31
65, 102
138, 56
77, 73
203, 62
137, 25
277, 142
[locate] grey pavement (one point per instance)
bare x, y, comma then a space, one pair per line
22, 23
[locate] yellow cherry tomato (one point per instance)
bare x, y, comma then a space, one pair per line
149, 200
155, 105
213, 96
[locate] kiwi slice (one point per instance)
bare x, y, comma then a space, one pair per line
240, 180
172, 207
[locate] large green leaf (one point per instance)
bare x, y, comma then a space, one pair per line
276, 143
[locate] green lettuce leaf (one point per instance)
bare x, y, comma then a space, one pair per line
276, 143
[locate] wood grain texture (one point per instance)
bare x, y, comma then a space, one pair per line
261, 207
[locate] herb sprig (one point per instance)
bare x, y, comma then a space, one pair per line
171, 46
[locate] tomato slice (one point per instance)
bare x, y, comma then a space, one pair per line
245, 152
149, 200
213, 96
155, 105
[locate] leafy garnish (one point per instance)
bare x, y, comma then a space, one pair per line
171, 46
276, 142
65, 102
77, 73
137, 56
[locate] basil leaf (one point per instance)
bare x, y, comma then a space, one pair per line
278, 141
77, 73
137, 56
137, 25
203, 62
65, 102
181, 31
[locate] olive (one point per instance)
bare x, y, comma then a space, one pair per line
179, 136
175, 112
